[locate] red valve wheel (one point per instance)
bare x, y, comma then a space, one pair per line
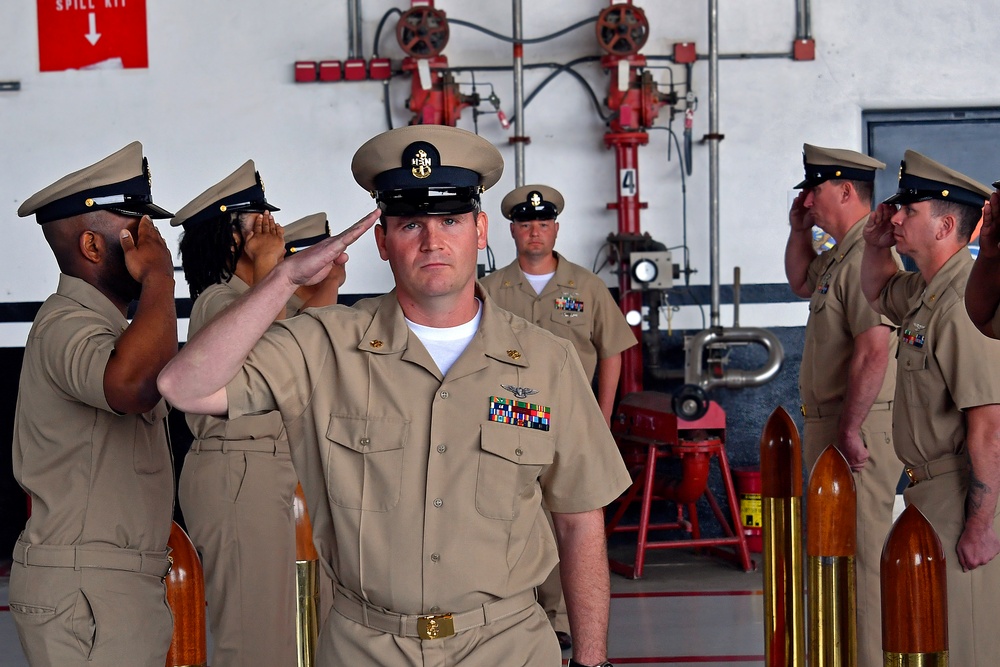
422, 32
622, 29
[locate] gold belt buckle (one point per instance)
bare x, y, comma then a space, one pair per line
802, 409
909, 473
438, 626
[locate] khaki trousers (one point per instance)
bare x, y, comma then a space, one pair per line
973, 597
876, 489
238, 510
90, 617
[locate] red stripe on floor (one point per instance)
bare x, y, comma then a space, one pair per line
682, 594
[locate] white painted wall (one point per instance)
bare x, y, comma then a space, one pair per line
219, 90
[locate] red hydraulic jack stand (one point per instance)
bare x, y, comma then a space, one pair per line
646, 431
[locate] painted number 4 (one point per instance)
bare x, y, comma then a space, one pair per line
628, 183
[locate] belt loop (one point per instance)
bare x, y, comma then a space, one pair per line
402, 626
76, 559
27, 547
225, 446
196, 446
274, 449
364, 615
486, 614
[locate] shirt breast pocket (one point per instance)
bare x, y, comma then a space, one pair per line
911, 368
364, 462
570, 319
510, 462
150, 452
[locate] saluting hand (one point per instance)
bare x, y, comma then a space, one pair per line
266, 239
800, 217
989, 235
878, 230
146, 256
313, 264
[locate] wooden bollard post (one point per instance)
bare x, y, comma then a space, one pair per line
186, 597
831, 545
781, 502
306, 584
914, 594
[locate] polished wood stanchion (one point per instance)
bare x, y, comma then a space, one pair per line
914, 594
306, 584
781, 502
831, 545
186, 597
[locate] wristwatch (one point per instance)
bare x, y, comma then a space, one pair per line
574, 663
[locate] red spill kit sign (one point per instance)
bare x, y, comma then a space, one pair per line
74, 34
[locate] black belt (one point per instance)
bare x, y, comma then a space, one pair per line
156, 563
431, 626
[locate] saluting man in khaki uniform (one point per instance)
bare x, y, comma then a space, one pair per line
982, 294
237, 482
947, 410
546, 289
90, 444
427, 427
848, 372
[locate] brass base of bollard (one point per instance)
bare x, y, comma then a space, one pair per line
784, 611
306, 611
915, 659
833, 640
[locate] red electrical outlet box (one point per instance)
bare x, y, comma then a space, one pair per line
355, 70
379, 69
305, 71
804, 49
329, 70
684, 52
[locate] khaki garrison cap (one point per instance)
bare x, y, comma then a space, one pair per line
824, 164
242, 190
120, 182
532, 202
427, 169
921, 178
305, 232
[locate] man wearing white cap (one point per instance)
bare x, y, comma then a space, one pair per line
427, 426
848, 372
90, 445
946, 426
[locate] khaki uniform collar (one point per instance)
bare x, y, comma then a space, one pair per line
388, 334
563, 277
90, 298
953, 274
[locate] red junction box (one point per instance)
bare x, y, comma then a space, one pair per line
305, 71
330, 70
379, 69
355, 70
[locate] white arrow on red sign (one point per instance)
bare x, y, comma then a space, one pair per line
93, 35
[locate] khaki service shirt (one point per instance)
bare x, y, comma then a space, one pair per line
210, 303
945, 365
95, 477
575, 305
838, 312
422, 499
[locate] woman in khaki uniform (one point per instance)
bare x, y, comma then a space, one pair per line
237, 482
